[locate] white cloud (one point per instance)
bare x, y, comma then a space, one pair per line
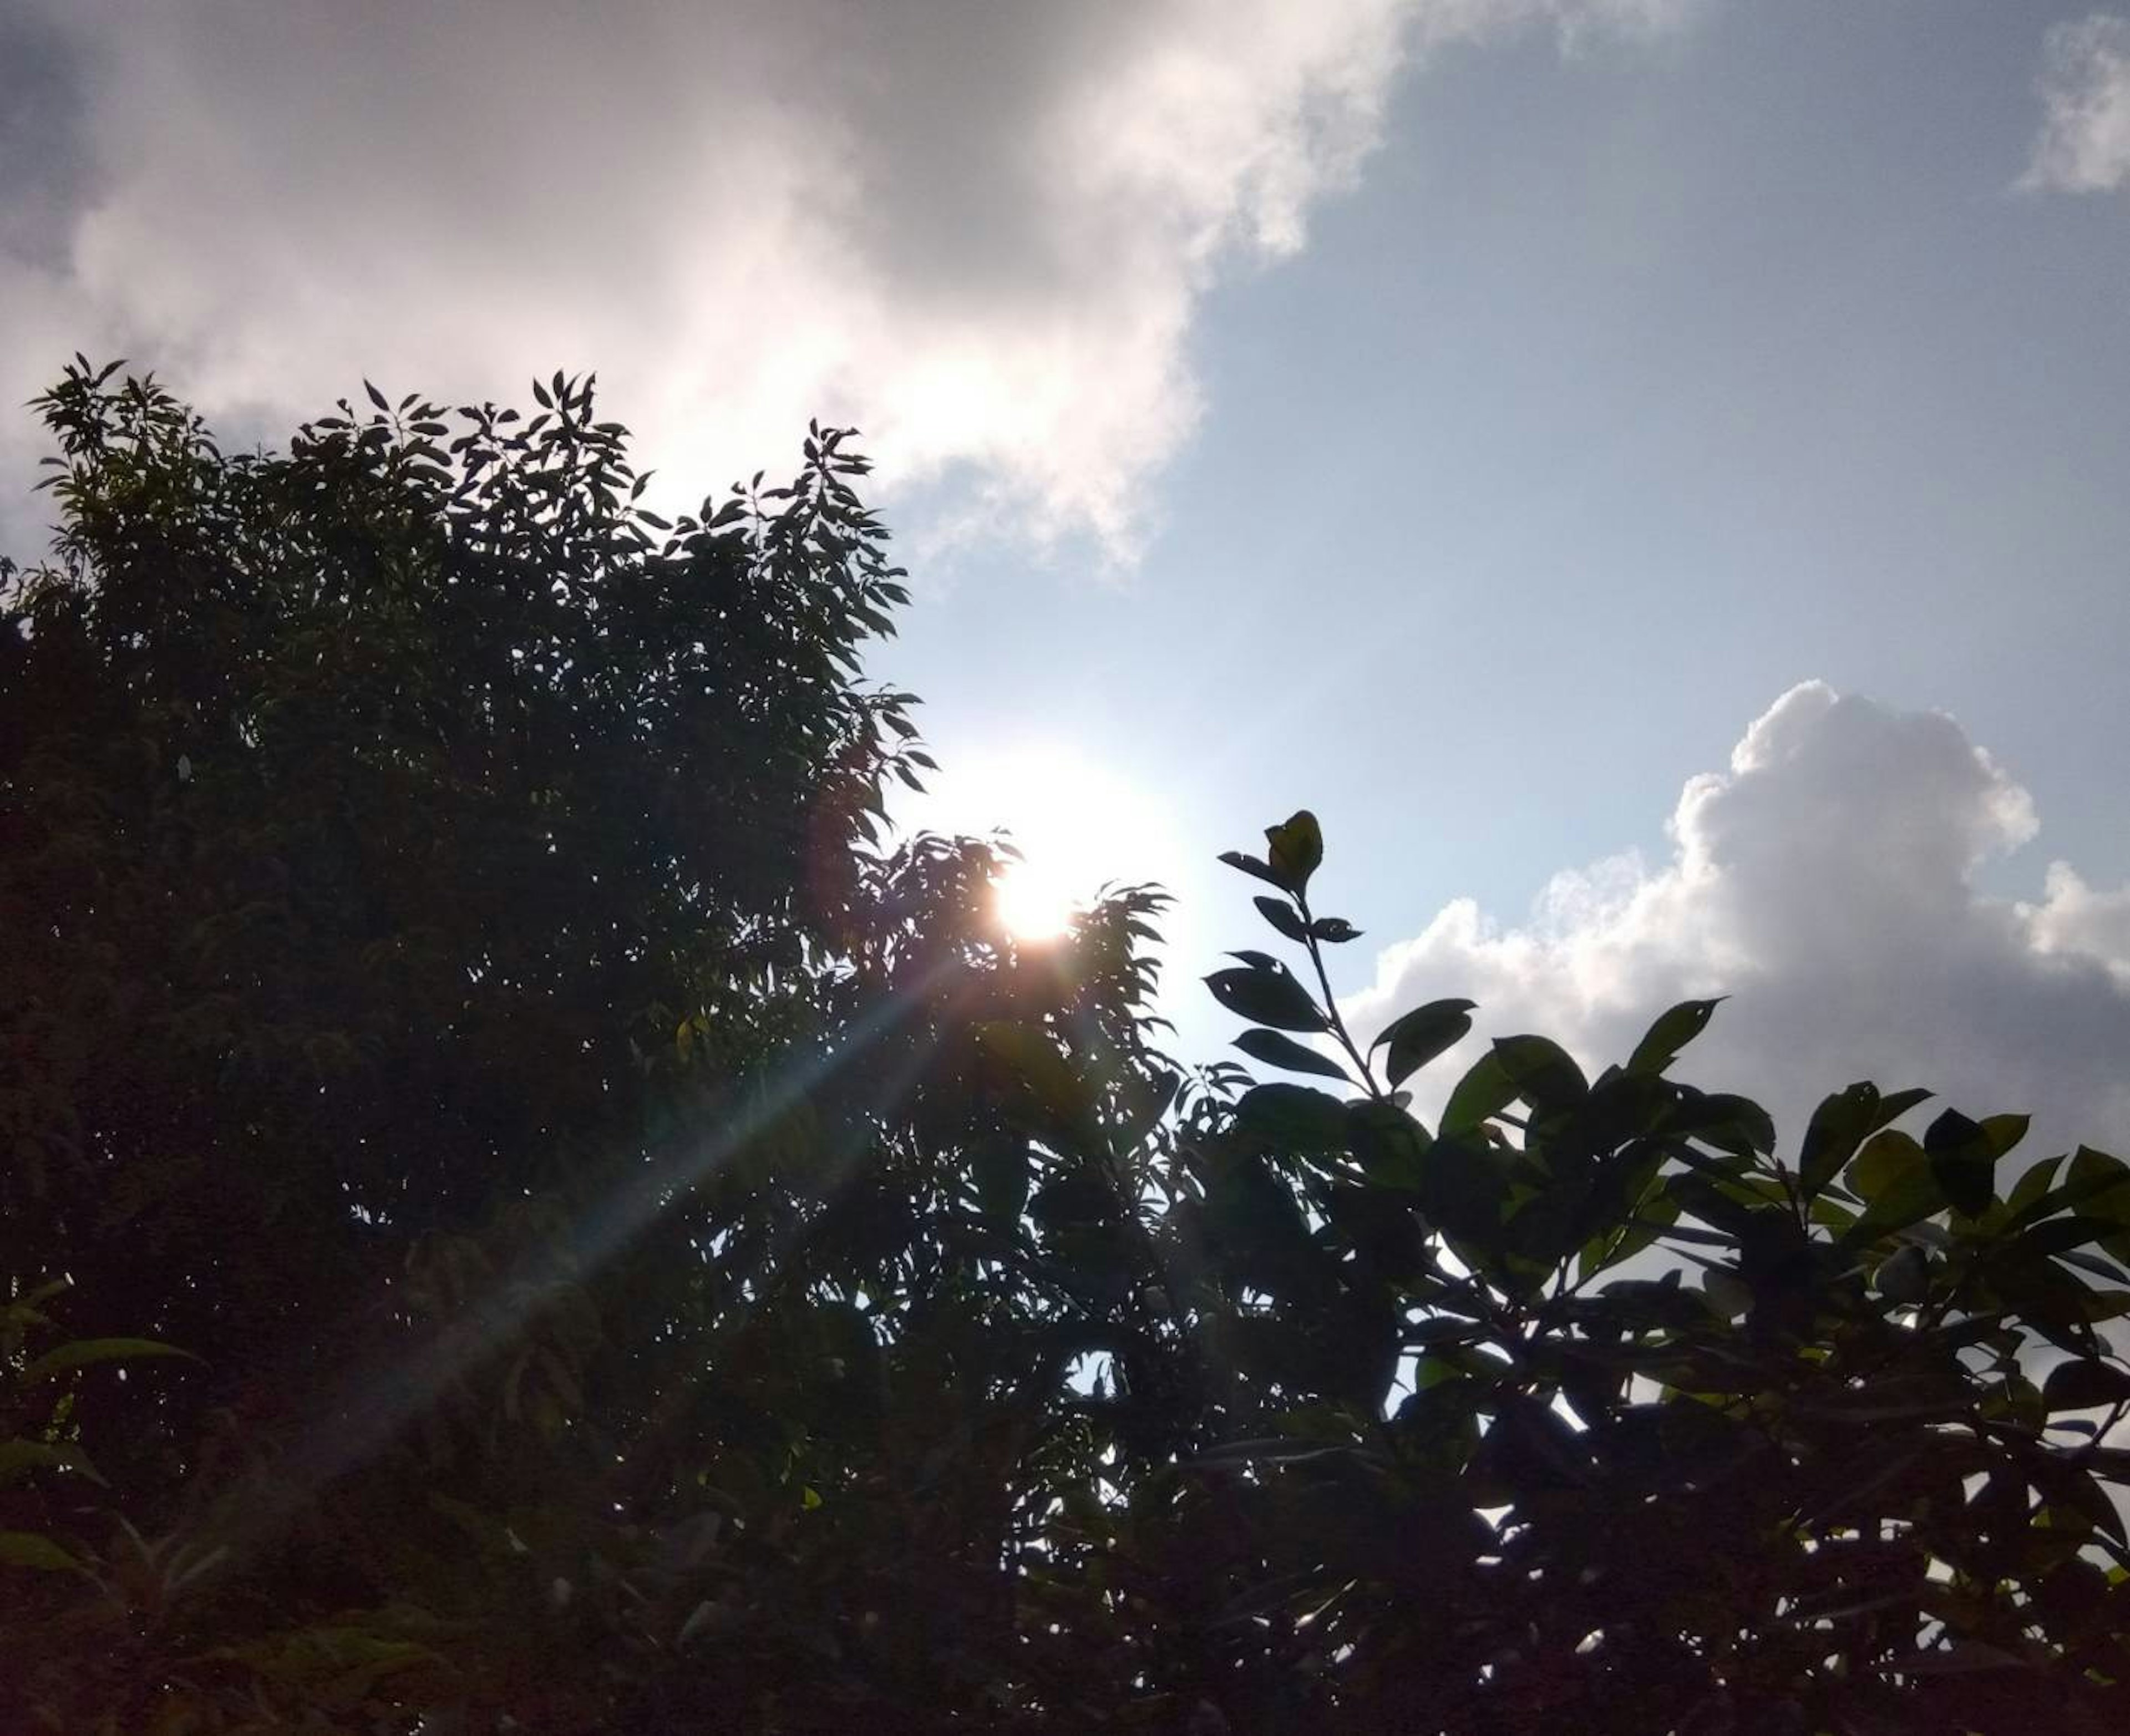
1826, 882
2084, 141
980, 231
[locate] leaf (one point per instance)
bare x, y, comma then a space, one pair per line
17, 1456
1416, 1037
999, 1168
1893, 1178
2033, 1188
1277, 1050
2098, 1184
1889, 1155
33, 1549
1462, 1190
1484, 1091
2060, 1235
1542, 1073
1286, 1115
1389, 1143
1905, 1276
1335, 929
376, 397
1297, 849
1839, 1125
2084, 1386
1081, 1198
1267, 997
83, 1352
1033, 1060
1282, 916
1672, 1031
1255, 866
1728, 1293
1894, 1104
1730, 1123
1964, 1156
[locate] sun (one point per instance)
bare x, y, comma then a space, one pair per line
1078, 822
1032, 903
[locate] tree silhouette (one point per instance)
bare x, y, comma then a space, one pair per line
524, 1208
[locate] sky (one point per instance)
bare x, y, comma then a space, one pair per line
1652, 476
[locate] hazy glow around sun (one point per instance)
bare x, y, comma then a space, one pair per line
1078, 824
1032, 903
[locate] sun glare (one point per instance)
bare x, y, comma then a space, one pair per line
1078, 824
1032, 903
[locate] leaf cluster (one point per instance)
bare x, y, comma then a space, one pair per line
653, 1255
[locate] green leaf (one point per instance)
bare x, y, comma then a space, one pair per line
2097, 1184
2034, 1187
1282, 916
83, 1352
1297, 849
1416, 1037
1484, 1091
1672, 1031
1277, 1050
1544, 1074
1267, 996
2084, 1386
19, 1456
1390, 1145
33, 1549
1889, 1157
1839, 1125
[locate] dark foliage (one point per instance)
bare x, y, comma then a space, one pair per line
644, 1254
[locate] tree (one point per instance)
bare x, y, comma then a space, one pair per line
461, 1007
1583, 1408
653, 1254
374, 814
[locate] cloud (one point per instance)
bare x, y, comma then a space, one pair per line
1826, 882
981, 232
2085, 141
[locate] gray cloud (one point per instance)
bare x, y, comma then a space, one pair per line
981, 231
2084, 141
1825, 881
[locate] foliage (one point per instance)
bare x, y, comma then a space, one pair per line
655, 1258
369, 817
1585, 1409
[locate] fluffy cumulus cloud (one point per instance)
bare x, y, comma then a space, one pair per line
2084, 141
979, 231
1826, 882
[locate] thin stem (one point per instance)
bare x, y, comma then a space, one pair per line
1331, 1001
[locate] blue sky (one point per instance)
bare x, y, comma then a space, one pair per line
1467, 418
1626, 391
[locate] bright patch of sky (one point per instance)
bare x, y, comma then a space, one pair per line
1465, 417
